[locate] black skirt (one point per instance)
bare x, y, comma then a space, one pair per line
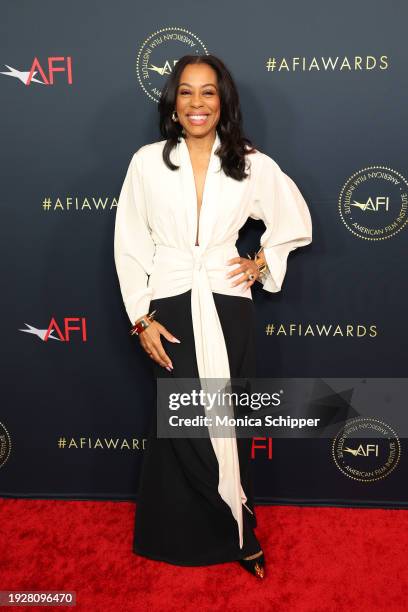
180, 516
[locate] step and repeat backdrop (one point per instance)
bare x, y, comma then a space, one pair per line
323, 91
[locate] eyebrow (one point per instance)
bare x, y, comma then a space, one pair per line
206, 85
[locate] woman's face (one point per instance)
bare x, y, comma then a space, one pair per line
198, 102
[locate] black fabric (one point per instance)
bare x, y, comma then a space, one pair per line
180, 516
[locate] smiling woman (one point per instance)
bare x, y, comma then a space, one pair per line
182, 204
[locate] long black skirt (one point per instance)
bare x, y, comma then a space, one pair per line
180, 516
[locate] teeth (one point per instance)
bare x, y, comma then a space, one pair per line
197, 116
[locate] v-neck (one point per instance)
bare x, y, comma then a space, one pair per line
210, 168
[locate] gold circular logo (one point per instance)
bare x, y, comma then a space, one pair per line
373, 203
366, 449
159, 53
5, 445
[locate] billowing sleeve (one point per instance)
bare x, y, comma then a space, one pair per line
133, 245
280, 205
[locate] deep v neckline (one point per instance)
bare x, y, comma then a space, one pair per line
197, 213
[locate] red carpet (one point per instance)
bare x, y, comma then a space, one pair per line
319, 559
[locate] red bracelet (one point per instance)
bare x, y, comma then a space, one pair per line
141, 325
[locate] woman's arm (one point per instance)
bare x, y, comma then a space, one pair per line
133, 251
280, 205
133, 244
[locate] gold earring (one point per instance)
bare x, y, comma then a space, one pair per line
175, 119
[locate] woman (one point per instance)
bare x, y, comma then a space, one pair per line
188, 296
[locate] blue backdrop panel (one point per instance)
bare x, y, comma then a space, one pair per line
324, 92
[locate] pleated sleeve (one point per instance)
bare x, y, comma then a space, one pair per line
133, 244
280, 205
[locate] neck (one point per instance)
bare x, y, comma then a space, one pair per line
200, 144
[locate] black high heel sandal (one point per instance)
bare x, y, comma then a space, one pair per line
255, 566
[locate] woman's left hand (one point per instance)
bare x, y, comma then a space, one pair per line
247, 266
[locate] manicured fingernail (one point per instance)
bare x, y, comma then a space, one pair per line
175, 339
168, 368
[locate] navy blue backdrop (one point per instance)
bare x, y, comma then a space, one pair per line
324, 92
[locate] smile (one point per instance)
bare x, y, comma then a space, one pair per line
197, 119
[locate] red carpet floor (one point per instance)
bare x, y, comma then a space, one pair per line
319, 559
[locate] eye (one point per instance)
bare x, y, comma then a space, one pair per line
184, 91
210, 93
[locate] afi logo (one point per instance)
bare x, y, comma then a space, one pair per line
70, 324
373, 204
47, 72
363, 451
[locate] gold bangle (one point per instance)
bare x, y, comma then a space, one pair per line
263, 266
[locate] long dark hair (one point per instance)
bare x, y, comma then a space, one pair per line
233, 146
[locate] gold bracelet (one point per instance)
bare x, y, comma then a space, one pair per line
263, 266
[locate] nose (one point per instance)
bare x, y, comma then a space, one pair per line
196, 100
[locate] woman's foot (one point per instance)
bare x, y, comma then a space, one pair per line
255, 564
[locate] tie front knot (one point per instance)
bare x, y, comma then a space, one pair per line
198, 260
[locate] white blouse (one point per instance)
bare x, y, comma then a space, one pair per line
156, 256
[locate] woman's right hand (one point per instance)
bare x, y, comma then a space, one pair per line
151, 343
